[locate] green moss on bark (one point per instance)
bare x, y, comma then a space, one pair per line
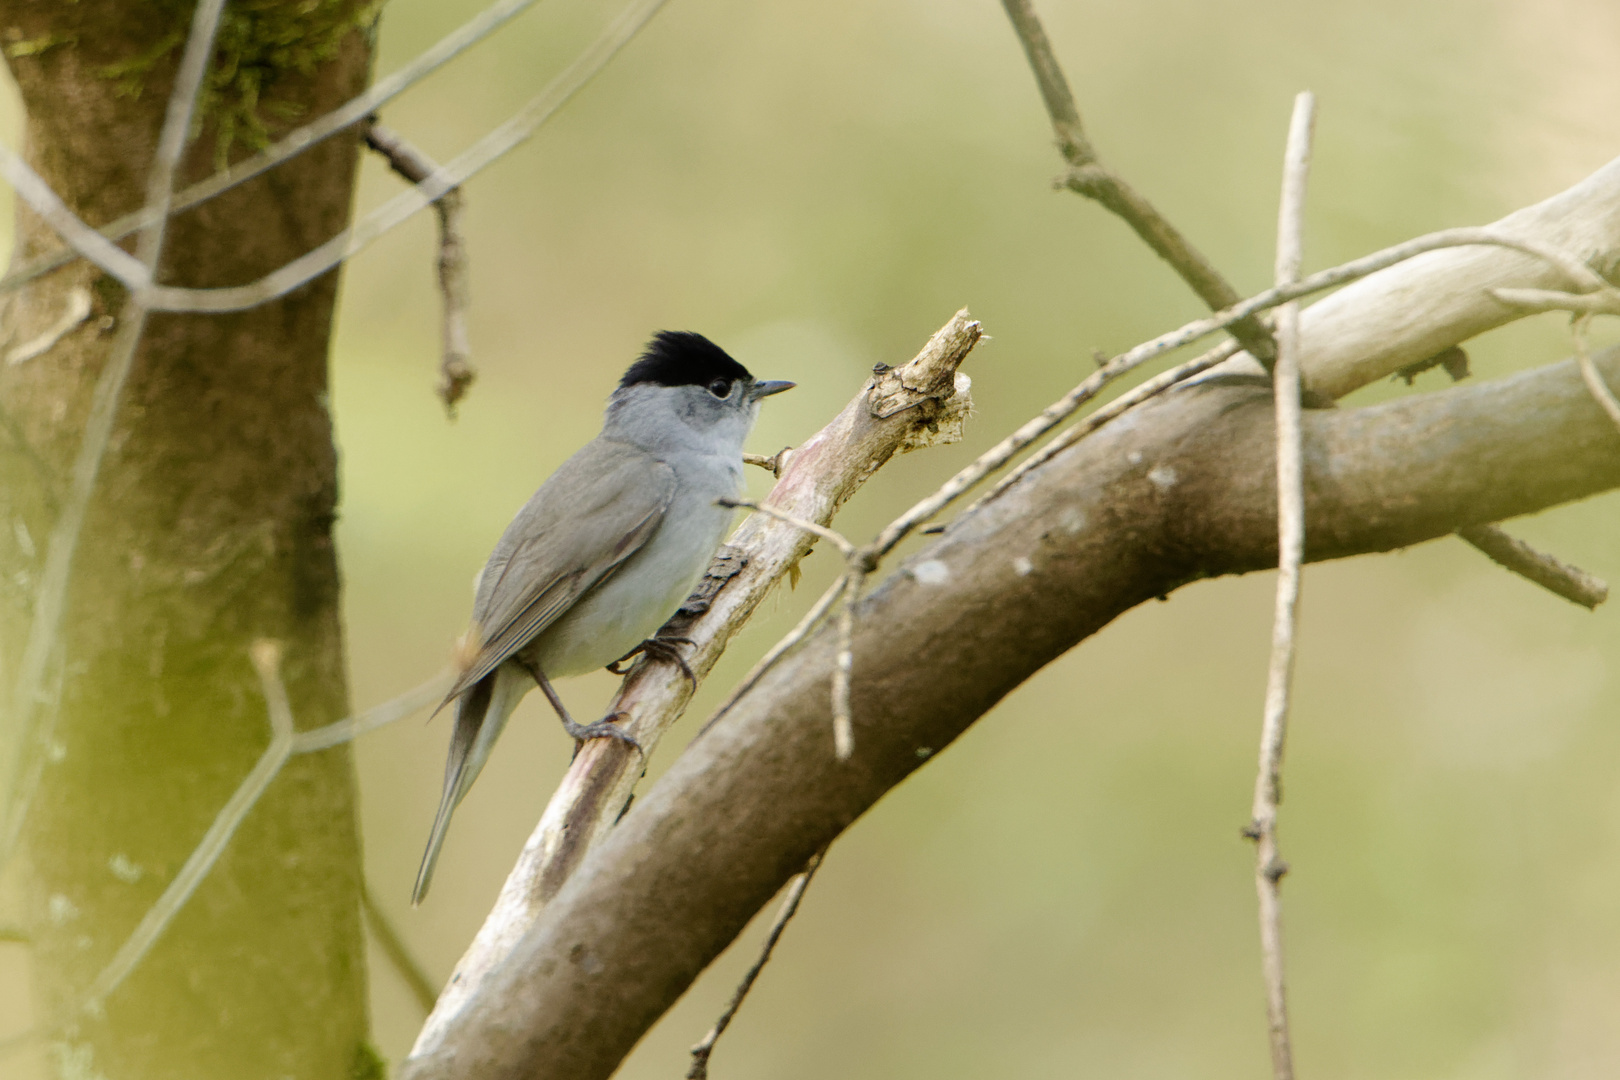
258, 42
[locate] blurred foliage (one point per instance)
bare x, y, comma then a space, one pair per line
818, 186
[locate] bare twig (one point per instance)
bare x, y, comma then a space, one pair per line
1088, 176
1269, 866
51, 597
1125, 402
1589, 373
774, 464
1605, 301
266, 658
790, 905
295, 142
81, 238
350, 728
78, 310
1570, 582
859, 562
832, 536
456, 372
394, 947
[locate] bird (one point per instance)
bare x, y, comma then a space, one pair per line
604, 552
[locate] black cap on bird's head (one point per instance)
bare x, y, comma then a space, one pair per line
682, 358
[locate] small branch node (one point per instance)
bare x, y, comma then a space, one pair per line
774, 464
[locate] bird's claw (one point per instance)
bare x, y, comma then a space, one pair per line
606, 728
661, 648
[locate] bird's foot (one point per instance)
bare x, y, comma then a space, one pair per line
660, 648
606, 728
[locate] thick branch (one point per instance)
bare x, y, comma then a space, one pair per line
1185, 491
1371, 328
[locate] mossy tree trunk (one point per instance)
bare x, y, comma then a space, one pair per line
210, 527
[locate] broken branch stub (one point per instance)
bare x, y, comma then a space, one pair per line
898, 409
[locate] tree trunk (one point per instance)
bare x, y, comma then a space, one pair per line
210, 527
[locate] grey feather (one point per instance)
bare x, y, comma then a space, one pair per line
596, 560
558, 547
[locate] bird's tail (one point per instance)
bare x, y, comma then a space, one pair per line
460, 769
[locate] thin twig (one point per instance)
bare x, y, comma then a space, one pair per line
1589, 373
774, 464
832, 536
790, 905
859, 562
352, 727
81, 238
1113, 410
393, 947
456, 372
77, 310
1605, 301
1269, 867
296, 142
1088, 176
51, 597
266, 661
807, 625
1570, 582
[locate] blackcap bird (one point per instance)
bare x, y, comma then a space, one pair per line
604, 553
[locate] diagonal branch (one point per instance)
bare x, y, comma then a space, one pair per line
1088, 176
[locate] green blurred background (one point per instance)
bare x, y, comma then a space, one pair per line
818, 186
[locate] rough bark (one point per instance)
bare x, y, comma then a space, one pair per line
1183, 489
210, 527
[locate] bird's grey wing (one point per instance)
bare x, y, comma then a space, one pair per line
593, 514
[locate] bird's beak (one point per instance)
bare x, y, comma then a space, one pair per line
766, 389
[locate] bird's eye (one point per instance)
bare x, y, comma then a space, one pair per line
720, 388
